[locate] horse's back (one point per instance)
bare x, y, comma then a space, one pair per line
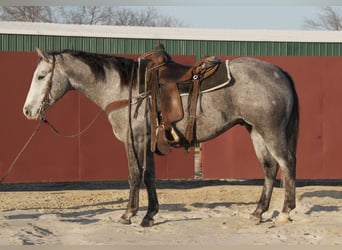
260, 90
255, 71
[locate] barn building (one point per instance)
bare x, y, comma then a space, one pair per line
312, 58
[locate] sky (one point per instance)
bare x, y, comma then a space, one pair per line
242, 17
226, 14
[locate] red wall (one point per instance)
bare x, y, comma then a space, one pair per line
96, 155
319, 88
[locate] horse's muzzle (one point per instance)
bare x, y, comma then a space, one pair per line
29, 114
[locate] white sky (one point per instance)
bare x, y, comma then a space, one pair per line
242, 17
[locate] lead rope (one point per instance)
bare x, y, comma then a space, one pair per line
10, 168
44, 120
57, 132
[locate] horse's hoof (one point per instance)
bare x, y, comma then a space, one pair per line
255, 218
147, 223
125, 221
282, 219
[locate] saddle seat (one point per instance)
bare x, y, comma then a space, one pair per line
175, 72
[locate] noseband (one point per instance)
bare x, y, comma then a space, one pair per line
46, 100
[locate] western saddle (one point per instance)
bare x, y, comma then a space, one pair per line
163, 77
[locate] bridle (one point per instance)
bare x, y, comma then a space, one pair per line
110, 107
46, 100
43, 106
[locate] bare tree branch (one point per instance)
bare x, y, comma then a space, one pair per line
27, 14
329, 19
88, 15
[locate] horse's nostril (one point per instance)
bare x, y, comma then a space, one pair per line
27, 112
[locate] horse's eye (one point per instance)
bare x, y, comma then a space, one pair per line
40, 77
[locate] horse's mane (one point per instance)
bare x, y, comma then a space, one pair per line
98, 62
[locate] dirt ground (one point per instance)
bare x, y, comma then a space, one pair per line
194, 215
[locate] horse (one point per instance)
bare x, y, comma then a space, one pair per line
261, 97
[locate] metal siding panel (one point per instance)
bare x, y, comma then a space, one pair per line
251, 48
93, 45
264, 48
5, 42
106, 45
13, 43
223, 46
323, 49
18, 42
243, 49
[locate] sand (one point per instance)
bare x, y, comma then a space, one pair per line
192, 216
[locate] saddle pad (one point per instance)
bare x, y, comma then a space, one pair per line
219, 79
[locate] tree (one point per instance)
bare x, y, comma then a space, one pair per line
88, 15
146, 17
329, 19
26, 14
85, 15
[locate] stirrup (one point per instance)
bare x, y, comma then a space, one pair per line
163, 144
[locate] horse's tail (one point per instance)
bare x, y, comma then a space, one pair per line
292, 129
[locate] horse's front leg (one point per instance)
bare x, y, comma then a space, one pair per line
150, 184
134, 180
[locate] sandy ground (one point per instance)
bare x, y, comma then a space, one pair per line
196, 216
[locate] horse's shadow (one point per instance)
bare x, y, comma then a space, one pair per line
322, 194
182, 207
82, 216
88, 216
175, 220
213, 205
186, 208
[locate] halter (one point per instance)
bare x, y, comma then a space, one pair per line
46, 100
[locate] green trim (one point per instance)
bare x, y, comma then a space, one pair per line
28, 43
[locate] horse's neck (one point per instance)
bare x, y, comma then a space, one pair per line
101, 92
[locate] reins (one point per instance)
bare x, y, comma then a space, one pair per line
10, 168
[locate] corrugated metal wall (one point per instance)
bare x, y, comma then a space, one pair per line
318, 85
27, 43
198, 48
94, 156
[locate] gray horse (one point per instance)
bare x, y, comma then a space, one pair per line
260, 96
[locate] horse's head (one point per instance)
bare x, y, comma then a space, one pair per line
48, 85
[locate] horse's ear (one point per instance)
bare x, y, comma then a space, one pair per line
43, 55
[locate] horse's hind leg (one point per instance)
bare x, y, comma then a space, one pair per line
278, 147
270, 167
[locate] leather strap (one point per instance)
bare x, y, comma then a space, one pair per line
189, 131
116, 105
154, 83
